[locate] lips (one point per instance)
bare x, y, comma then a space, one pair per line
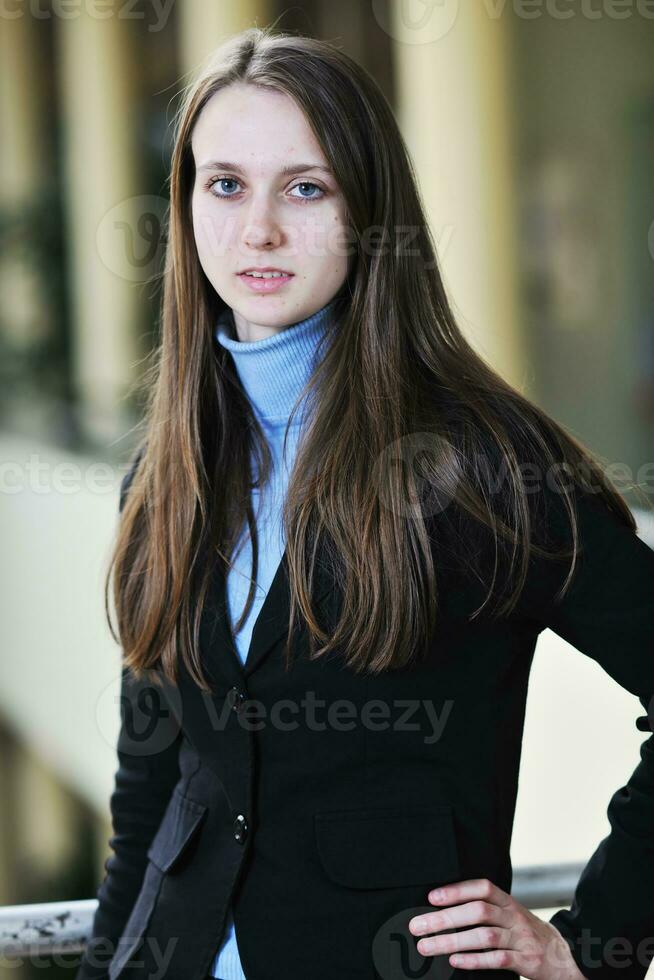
265, 283
269, 268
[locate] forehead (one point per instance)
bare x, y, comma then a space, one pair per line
260, 129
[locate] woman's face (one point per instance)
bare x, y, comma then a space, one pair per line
264, 196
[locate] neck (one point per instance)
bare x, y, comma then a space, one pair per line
273, 371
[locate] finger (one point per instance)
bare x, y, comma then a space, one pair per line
463, 891
494, 959
484, 937
472, 913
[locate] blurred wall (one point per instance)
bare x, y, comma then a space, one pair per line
585, 104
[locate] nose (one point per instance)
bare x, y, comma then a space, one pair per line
262, 229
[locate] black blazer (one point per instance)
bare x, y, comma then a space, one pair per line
326, 804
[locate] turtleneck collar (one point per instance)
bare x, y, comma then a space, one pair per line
273, 371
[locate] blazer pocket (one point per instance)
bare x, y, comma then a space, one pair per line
178, 826
384, 848
177, 829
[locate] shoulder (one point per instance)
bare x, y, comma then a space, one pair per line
544, 512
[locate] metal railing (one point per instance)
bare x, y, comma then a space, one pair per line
53, 928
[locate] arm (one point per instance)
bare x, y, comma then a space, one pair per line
147, 772
608, 614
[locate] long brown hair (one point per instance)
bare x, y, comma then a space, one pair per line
396, 379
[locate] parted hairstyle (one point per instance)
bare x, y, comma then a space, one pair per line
410, 424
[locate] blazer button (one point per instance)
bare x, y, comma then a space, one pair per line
240, 828
236, 699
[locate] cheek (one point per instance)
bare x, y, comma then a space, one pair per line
211, 232
322, 236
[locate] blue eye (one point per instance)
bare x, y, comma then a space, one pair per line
307, 183
213, 181
222, 180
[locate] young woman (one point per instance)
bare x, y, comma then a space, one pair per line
339, 540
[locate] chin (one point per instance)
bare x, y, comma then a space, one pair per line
270, 311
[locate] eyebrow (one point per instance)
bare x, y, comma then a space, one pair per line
288, 171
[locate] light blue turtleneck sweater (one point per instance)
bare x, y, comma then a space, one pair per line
273, 372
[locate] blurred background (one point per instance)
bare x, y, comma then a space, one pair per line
531, 126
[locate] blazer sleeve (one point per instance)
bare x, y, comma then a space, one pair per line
608, 614
148, 769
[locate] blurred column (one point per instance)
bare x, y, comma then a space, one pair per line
46, 837
8, 815
454, 107
203, 26
104, 202
345, 23
24, 152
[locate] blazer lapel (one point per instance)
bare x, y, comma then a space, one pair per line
220, 658
272, 621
